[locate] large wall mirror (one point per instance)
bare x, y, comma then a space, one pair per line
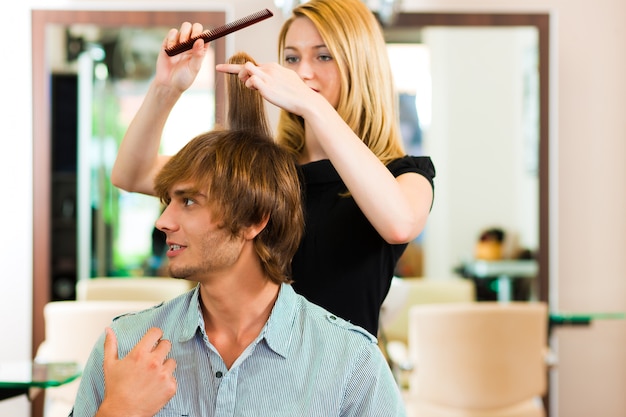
91, 69
478, 83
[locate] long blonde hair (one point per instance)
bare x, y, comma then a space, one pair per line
368, 102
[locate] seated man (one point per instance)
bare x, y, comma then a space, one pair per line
242, 343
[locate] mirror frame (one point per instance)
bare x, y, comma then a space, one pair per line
541, 21
42, 120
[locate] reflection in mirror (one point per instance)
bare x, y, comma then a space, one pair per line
90, 72
109, 70
470, 99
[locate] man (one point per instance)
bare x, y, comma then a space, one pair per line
243, 343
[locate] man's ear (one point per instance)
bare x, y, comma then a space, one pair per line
252, 231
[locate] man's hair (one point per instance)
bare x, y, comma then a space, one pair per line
247, 178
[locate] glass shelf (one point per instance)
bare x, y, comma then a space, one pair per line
25, 374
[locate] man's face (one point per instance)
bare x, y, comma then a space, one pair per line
198, 247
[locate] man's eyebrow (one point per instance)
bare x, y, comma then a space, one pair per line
187, 192
181, 192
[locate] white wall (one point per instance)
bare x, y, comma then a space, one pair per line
588, 200
16, 207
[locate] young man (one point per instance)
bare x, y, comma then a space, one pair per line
243, 343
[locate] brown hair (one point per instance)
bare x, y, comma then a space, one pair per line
248, 178
246, 109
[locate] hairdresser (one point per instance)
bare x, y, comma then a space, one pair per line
365, 199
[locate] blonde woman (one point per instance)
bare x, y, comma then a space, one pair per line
364, 198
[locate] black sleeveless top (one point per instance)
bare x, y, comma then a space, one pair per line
342, 263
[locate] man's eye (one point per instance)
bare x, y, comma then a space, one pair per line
188, 201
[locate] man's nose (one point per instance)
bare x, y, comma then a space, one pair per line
165, 222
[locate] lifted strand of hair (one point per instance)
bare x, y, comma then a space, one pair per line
246, 108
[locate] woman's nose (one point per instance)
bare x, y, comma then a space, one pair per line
305, 70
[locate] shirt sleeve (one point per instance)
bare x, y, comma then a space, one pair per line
422, 165
372, 390
91, 389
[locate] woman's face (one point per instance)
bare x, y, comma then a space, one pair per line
306, 53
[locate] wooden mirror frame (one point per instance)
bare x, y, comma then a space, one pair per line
42, 121
540, 21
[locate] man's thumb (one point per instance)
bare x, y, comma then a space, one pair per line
110, 345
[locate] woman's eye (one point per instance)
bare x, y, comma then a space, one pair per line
291, 59
325, 58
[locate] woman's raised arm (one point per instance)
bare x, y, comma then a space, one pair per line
138, 159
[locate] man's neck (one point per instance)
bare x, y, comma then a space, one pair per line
234, 315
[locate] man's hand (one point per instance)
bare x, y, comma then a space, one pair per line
141, 383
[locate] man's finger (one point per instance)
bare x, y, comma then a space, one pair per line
149, 340
162, 349
170, 365
110, 345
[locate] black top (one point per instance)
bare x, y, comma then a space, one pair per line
343, 264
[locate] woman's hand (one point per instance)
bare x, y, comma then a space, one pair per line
180, 71
280, 86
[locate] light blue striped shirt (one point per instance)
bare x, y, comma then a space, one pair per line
305, 362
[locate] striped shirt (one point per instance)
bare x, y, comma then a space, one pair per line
305, 362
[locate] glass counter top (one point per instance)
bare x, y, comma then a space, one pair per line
26, 374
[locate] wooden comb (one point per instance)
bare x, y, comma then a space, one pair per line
211, 35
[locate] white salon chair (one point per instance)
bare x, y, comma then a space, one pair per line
483, 359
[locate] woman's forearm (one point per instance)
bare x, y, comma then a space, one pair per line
138, 159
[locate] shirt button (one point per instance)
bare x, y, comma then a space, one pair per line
219, 374
333, 318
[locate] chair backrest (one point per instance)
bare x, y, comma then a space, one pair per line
481, 355
71, 330
73, 327
407, 292
155, 289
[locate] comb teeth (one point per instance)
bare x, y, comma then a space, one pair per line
211, 35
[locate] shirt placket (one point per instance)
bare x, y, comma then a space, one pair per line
227, 394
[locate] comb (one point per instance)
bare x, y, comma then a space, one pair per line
211, 35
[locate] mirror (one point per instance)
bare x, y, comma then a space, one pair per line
91, 69
479, 86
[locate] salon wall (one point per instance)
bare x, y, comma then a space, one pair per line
588, 200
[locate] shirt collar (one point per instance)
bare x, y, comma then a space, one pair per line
280, 325
277, 331
193, 318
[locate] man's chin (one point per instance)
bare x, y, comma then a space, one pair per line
181, 274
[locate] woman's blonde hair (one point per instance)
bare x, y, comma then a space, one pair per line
368, 102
